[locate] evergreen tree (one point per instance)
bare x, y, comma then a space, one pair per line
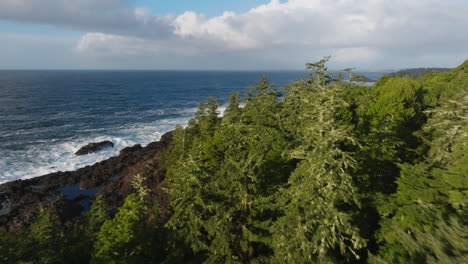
206, 118
233, 110
81, 238
444, 243
7, 249
119, 239
320, 197
45, 240
97, 215
219, 192
434, 188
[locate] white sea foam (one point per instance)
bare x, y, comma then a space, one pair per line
221, 110
52, 156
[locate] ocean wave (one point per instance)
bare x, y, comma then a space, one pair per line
52, 156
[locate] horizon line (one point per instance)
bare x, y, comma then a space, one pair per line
211, 70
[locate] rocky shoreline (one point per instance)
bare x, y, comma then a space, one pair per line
67, 195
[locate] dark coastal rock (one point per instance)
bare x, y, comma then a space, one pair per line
94, 147
5, 204
66, 211
66, 195
130, 149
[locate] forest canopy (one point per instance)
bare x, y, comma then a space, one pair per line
322, 170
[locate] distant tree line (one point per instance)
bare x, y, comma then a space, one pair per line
415, 73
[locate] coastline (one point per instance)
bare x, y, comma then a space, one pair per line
69, 194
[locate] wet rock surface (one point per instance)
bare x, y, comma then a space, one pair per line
94, 147
67, 195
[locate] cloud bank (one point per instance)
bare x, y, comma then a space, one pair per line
362, 32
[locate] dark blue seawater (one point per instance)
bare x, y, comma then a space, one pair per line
45, 116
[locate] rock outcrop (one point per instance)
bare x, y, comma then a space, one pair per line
67, 195
94, 147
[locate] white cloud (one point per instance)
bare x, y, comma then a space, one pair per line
350, 55
116, 17
219, 29
113, 45
366, 32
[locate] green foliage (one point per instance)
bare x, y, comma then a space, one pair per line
97, 215
232, 112
206, 117
325, 171
118, 240
445, 243
80, 240
42, 242
434, 188
317, 222
47, 236
6, 249
138, 185
218, 192
417, 72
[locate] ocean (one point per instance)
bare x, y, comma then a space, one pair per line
46, 116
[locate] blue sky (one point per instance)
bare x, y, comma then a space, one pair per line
231, 34
208, 7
